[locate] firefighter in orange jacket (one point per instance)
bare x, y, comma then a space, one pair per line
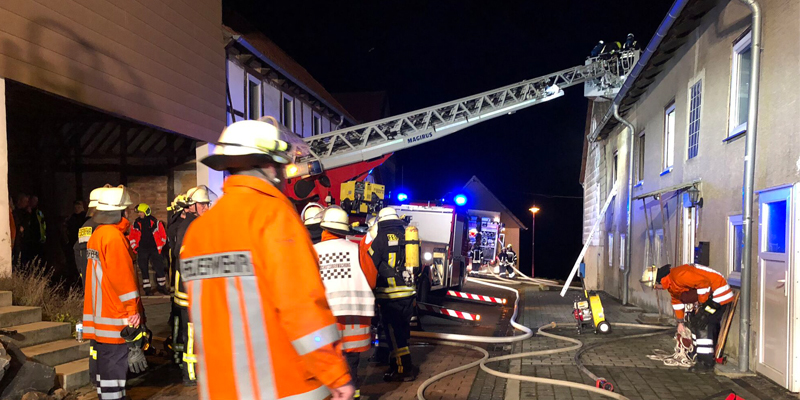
111, 299
349, 280
148, 236
262, 325
713, 295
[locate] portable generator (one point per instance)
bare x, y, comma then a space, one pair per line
588, 309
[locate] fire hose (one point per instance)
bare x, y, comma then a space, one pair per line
456, 340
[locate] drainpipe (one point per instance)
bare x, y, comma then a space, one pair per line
749, 183
629, 205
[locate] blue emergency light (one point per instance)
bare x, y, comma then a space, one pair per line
460, 199
402, 197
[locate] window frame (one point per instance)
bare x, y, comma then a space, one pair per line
316, 122
668, 153
622, 238
739, 46
734, 277
640, 149
694, 113
610, 246
259, 99
284, 98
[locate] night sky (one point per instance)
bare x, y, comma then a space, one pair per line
428, 52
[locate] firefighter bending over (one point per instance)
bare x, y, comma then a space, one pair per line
262, 325
349, 279
394, 293
112, 306
713, 295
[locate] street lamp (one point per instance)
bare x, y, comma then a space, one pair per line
533, 211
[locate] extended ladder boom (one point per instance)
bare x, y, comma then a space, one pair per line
375, 139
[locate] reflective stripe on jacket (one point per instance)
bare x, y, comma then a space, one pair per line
262, 326
707, 281
346, 285
111, 294
356, 333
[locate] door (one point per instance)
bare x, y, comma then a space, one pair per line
773, 273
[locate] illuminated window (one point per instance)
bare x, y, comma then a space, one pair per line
695, 93
669, 137
740, 85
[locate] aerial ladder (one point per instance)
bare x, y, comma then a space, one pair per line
602, 77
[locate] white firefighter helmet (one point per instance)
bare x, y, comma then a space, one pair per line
312, 214
248, 144
386, 214
199, 194
114, 199
95, 194
336, 220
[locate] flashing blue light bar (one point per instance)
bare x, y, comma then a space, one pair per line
460, 199
402, 196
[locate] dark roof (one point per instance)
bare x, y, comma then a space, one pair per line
493, 203
286, 65
667, 47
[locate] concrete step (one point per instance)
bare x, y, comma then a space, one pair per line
5, 298
58, 352
18, 315
38, 333
74, 374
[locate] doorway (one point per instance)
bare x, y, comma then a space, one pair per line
774, 250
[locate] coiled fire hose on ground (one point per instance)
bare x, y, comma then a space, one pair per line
456, 340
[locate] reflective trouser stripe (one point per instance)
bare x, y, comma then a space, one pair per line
319, 393
705, 342
197, 322
189, 357
704, 350
111, 383
111, 396
146, 283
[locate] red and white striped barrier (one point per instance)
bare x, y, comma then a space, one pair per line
433, 309
476, 297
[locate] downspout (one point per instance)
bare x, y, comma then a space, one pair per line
749, 185
628, 205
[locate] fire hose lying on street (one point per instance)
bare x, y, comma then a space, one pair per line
457, 340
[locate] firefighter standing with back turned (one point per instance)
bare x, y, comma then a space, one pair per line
713, 294
263, 328
148, 237
112, 312
195, 203
394, 293
349, 279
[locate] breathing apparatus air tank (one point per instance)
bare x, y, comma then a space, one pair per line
412, 248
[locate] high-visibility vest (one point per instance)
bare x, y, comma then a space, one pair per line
262, 325
111, 292
346, 286
707, 282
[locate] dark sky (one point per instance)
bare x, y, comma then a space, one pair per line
428, 52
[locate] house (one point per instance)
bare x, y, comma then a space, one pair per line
688, 103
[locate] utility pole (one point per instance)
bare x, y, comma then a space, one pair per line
533, 211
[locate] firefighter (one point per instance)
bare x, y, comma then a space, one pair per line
476, 255
349, 279
263, 328
630, 43
111, 299
713, 295
394, 293
311, 219
508, 257
194, 203
79, 248
148, 236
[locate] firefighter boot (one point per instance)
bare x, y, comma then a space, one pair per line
401, 370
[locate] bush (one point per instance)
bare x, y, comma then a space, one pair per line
32, 286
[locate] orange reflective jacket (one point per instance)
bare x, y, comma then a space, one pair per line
694, 276
263, 329
111, 293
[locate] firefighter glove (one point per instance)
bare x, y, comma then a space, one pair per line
138, 340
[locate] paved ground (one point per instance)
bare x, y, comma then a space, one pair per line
622, 362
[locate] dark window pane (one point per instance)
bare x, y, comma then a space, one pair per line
776, 227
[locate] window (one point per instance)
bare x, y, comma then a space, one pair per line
776, 214
288, 112
669, 137
740, 85
253, 97
695, 95
614, 169
610, 249
735, 246
640, 159
317, 125
621, 251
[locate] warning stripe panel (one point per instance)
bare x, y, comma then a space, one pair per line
476, 297
448, 312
